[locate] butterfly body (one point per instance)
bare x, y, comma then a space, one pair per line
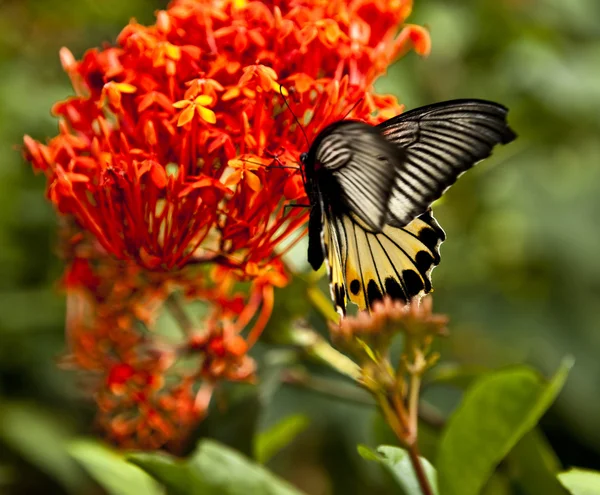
370, 189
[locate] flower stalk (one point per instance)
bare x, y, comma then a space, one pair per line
319, 349
396, 390
177, 310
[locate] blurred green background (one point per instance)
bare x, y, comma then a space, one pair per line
520, 274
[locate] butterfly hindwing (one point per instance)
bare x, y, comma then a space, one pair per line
441, 141
364, 264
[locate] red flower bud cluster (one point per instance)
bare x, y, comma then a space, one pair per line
167, 170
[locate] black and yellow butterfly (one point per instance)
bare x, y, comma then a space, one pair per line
371, 187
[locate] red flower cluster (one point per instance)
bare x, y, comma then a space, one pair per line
167, 172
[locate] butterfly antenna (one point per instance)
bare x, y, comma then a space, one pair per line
301, 128
358, 102
275, 158
294, 115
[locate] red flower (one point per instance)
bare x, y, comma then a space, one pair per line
162, 164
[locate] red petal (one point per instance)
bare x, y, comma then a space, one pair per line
151, 261
159, 175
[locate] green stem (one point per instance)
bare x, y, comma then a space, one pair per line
413, 403
318, 348
173, 304
332, 388
322, 304
338, 389
415, 459
392, 418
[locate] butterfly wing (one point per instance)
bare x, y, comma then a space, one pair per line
356, 168
372, 219
441, 141
366, 264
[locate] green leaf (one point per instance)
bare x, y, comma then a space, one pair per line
40, 437
533, 465
498, 484
581, 481
170, 471
212, 469
271, 441
397, 463
367, 453
368, 351
219, 470
111, 470
493, 416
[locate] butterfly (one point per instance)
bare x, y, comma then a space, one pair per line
370, 189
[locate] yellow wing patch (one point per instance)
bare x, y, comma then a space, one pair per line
364, 265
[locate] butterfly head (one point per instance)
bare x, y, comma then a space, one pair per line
303, 157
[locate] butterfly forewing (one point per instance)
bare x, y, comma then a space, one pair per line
441, 141
364, 264
362, 167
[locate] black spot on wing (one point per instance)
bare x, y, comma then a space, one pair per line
429, 237
413, 282
373, 292
394, 290
340, 295
355, 287
424, 260
427, 217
